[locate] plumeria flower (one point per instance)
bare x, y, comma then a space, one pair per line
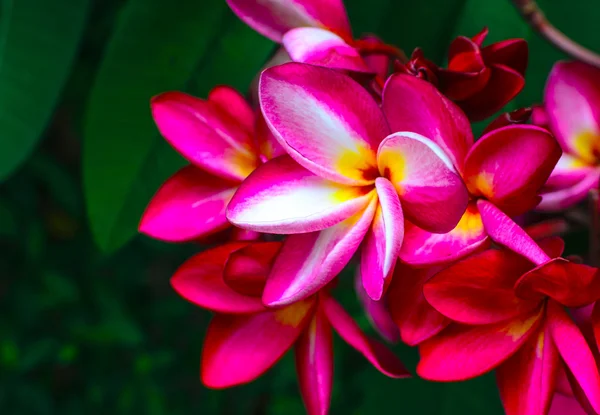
346, 181
244, 338
482, 80
312, 31
572, 104
510, 316
504, 170
224, 140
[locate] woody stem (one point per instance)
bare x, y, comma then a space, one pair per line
536, 19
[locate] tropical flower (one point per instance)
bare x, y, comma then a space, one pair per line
313, 31
482, 80
510, 316
503, 171
572, 104
245, 338
224, 140
346, 179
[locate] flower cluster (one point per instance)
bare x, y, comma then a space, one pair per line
354, 150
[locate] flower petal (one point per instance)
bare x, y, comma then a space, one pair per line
234, 104
510, 165
268, 145
572, 285
512, 53
377, 312
568, 172
416, 319
411, 104
425, 248
381, 357
314, 364
556, 200
383, 241
283, 197
325, 120
479, 289
205, 134
189, 205
575, 352
526, 380
432, 193
504, 84
504, 231
273, 18
572, 100
200, 281
247, 268
238, 349
309, 261
562, 405
463, 352
323, 48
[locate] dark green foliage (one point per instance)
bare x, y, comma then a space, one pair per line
89, 323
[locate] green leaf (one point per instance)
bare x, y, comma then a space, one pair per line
38, 41
158, 45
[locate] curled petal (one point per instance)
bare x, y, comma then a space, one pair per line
504, 231
309, 261
425, 248
560, 199
238, 349
273, 18
323, 48
314, 364
572, 101
572, 285
382, 358
247, 268
510, 165
432, 193
383, 241
416, 319
479, 289
333, 132
200, 281
189, 205
377, 312
512, 53
575, 352
411, 104
205, 134
283, 197
527, 379
463, 352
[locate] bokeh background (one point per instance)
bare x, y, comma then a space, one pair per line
88, 321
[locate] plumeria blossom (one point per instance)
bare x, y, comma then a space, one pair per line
481, 80
510, 315
224, 140
346, 180
317, 32
245, 338
503, 171
572, 111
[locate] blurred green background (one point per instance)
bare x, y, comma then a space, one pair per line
88, 321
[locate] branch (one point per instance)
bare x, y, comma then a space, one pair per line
536, 19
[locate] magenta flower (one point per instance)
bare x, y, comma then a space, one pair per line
224, 141
346, 179
504, 170
244, 338
572, 103
317, 32
510, 316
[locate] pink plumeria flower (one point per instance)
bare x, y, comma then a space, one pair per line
510, 316
224, 140
346, 180
317, 32
572, 103
244, 338
504, 170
